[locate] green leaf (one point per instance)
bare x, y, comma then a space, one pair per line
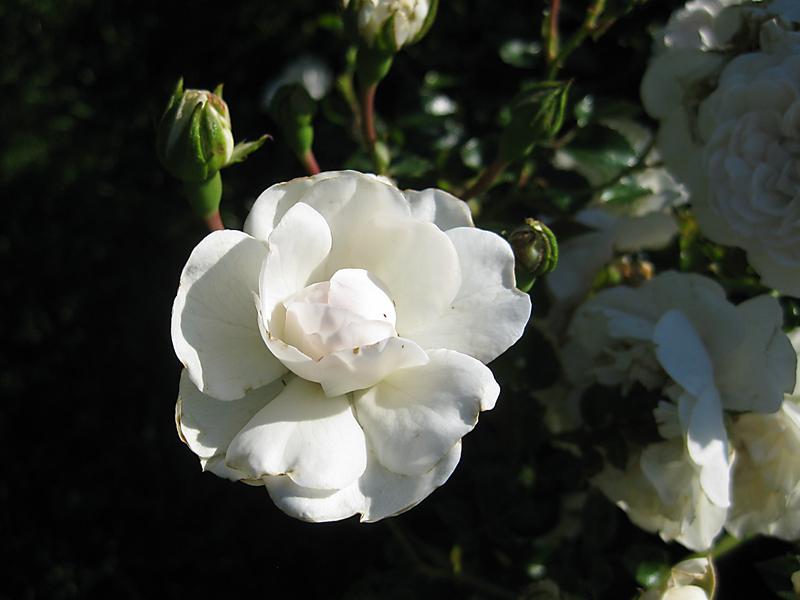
598, 153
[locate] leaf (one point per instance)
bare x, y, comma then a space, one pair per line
598, 153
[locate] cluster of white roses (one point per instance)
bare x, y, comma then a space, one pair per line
334, 351
728, 428
725, 85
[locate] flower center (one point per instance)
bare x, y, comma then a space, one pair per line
351, 310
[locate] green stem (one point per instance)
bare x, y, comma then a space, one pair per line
552, 32
204, 198
588, 27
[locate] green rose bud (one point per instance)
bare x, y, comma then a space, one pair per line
293, 110
537, 114
194, 136
535, 252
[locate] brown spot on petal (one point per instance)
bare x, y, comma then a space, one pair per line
356, 350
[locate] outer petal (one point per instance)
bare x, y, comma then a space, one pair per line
763, 369
440, 208
313, 439
215, 322
346, 199
684, 358
489, 313
416, 261
378, 494
348, 370
298, 247
208, 425
415, 416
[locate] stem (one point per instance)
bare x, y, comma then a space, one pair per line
725, 546
588, 27
310, 162
552, 36
368, 123
445, 574
214, 222
486, 179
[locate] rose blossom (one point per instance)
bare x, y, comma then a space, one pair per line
335, 349
729, 130
679, 336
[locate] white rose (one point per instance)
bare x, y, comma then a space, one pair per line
749, 195
408, 18
692, 579
767, 473
679, 335
334, 350
695, 26
729, 130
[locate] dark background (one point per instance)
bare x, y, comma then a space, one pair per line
98, 497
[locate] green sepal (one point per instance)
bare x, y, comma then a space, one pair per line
535, 252
204, 196
428, 23
537, 114
244, 149
375, 60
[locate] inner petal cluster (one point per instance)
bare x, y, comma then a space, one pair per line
351, 310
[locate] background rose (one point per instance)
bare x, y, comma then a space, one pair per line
728, 128
750, 126
678, 335
347, 385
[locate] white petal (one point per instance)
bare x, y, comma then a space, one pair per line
489, 313
652, 231
682, 354
415, 260
215, 322
440, 208
378, 494
413, 417
784, 278
346, 199
208, 425
313, 439
275, 201
348, 370
298, 247
763, 367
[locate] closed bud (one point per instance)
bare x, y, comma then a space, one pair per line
293, 110
194, 136
537, 114
389, 23
535, 252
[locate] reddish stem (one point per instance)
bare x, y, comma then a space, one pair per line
552, 37
214, 222
310, 163
486, 179
368, 115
